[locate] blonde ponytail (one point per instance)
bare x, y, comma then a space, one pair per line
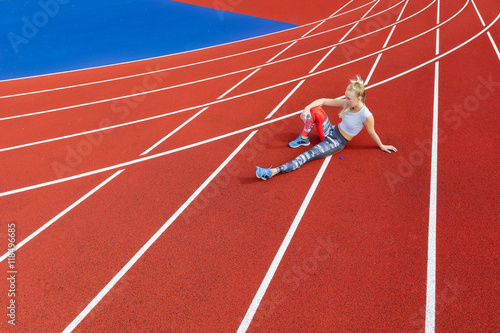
357, 86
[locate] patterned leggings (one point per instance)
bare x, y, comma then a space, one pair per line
332, 142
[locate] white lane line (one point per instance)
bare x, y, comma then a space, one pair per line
236, 85
375, 64
121, 165
230, 98
160, 57
488, 33
430, 306
173, 132
478, 14
285, 99
281, 251
152, 240
276, 56
61, 214
200, 80
437, 41
494, 45
350, 30
430, 303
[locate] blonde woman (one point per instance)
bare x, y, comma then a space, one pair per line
355, 115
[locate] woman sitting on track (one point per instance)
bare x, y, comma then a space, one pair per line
354, 116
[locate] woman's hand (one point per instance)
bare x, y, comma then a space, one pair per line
303, 115
388, 149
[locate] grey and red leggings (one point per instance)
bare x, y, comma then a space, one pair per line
332, 141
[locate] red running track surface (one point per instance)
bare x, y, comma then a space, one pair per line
115, 237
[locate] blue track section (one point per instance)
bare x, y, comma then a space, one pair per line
48, 36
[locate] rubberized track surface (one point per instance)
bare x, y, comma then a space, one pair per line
136, 207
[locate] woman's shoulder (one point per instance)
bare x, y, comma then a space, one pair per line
365, 113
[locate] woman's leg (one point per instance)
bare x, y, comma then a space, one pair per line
332, 142
329, 146
318, 118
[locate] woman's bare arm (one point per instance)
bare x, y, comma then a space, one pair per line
321, 102
370, 127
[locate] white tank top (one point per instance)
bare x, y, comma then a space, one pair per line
352, 123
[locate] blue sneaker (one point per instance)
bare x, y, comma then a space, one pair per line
299, 142
263, 174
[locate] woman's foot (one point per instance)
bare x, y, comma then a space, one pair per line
300, 141
264, 174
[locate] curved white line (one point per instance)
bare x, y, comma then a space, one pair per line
135, 161
180, 53
213, 77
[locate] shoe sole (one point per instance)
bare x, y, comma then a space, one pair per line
301, 145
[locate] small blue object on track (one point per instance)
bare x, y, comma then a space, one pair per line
341, 157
